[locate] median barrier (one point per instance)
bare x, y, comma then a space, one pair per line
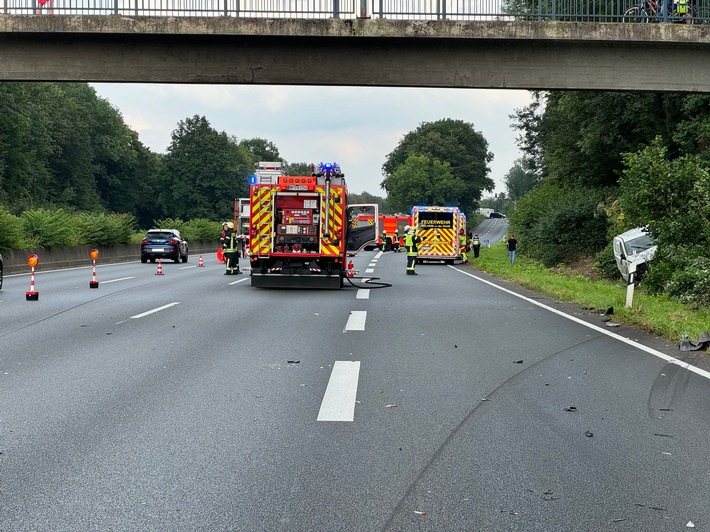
76, 256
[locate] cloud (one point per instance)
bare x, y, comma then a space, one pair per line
354, 126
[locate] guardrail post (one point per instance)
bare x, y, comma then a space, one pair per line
336, 8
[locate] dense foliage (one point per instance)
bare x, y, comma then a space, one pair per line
642, 158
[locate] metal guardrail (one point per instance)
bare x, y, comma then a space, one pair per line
678, 11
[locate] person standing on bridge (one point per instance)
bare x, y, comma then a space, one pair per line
512, 244
411, 240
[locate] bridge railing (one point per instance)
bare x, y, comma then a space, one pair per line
680, 11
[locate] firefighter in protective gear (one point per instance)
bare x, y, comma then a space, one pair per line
462, 246
411, 240
395, 242
230, 250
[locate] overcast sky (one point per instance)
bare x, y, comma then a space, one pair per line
357, 127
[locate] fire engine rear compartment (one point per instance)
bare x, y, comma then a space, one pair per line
296, 258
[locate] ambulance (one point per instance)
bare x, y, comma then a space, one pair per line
440, 229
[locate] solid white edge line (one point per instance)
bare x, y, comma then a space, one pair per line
649, 350
356, 321
339, 399
239, 281
155, 310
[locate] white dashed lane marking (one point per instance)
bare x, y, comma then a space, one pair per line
356, 321
339, 400
363, 293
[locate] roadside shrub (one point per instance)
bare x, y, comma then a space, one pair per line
10, 230
169, 223
605, 265
48, 229
558, 225
104, 229
672, 197
201, 230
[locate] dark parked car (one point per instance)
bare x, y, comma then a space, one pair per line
163, 244
2, 267
497, 215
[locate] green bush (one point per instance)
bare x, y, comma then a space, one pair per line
201, 230
10, 230
48, 229
558, 225
104, 229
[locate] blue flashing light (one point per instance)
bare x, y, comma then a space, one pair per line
252, 179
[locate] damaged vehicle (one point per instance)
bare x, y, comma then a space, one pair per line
632, 252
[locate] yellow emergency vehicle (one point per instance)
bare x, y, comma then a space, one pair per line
440, 229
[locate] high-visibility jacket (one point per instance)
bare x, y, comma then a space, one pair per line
476, 242
410, 242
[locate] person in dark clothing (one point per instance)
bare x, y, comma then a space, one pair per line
230, 250
476, 245
512, 244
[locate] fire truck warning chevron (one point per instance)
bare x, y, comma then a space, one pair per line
302, 228
443, 233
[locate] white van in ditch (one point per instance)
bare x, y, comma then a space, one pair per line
632, 251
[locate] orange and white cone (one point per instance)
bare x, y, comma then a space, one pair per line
160, 268
200, 264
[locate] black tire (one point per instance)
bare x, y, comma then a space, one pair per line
152, 260
144, 259
1, 278
635, 14
184, 258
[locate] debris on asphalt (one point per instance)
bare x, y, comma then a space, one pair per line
619, 520
690, 525
589, 434
612, 324
570, 409
390, 406
293, 362
518, 362
702, 343
663, 435
419, 513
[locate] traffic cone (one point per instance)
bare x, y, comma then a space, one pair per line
199, 263
160, 268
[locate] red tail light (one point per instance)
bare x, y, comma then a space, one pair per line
144, 241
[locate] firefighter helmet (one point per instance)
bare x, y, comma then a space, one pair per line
230, 225
407, 228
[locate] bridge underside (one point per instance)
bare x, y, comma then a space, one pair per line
501, 59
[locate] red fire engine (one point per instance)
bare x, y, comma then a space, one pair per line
301, 227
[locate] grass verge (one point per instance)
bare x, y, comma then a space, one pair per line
658, 315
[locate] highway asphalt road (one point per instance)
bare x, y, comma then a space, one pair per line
444, 402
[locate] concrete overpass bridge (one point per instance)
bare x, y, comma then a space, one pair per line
604, 53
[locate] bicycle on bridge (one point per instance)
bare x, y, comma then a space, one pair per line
677, 11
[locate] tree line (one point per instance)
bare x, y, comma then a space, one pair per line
598, 163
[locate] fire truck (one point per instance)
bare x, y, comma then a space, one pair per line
391, 224
440, 229
301, 228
